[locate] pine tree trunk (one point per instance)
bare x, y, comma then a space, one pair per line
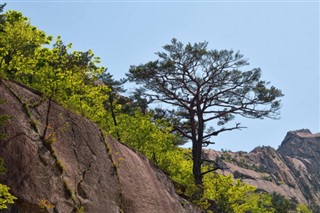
114, 116
196, 156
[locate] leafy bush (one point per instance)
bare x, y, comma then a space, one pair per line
5, 196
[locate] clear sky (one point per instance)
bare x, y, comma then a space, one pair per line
280, 37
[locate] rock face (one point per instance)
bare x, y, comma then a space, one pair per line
301, 152
74, 167
292, 171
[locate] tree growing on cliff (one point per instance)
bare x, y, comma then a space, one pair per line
115, 88
19, 44
206, 87
68, 77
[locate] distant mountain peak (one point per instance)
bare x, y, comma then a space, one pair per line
263, 149
305, 133
292, 171
299, 137
301, 131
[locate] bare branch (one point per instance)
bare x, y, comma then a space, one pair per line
215, 133
210, 170
207, 143
182, 132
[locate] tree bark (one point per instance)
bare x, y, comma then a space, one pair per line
114, 116
196, 157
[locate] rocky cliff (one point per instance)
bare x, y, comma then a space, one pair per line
292, 171
74, 167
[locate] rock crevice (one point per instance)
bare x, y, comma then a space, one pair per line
76, 168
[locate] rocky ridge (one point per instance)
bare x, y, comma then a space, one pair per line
293, 170
74, 167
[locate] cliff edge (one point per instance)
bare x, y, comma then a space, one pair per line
74, 167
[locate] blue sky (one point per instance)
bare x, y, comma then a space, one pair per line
280, 37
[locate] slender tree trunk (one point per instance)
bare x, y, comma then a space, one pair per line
196, 151
113, 114
196, 156
197, 145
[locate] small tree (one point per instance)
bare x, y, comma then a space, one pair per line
19, 43
206, 87
116, 87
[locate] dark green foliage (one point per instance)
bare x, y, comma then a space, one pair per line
116, 87
2, 19
280, 203
205, 86
140, 101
